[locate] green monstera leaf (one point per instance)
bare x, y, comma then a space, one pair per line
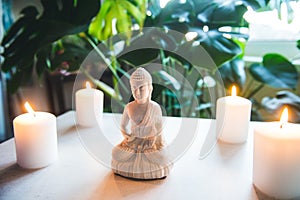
279, 101
117, 15
146, 47
216, 24
209, 49
233, 72
32, 33
275, 71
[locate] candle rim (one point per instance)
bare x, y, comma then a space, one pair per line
27, 118
238, 100
84, 92
272, 129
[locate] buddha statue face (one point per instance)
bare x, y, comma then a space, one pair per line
142, 93
141, 85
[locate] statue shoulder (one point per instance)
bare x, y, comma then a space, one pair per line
129, 105
155, 105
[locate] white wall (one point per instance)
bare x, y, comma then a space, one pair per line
260, 48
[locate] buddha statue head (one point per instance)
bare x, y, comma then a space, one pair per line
141, 85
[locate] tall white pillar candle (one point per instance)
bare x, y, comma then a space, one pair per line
35, 138
276, 159
233, 116
89, 106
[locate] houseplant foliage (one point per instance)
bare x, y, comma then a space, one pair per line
274, 105
117, 14
66, 31
277, 4
31, 36
206, 19
277, 72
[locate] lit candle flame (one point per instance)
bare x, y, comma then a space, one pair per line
29, 108
88, 85
233, 91
284, 117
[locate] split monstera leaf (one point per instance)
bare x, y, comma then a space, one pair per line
115, 16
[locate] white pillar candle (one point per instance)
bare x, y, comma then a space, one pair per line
233, 116
35, 138
276, 159
89, 106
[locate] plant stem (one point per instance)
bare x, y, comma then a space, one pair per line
245, 89
192, 102
259, 87
115, 80
114, 72
202, 89
194, 96
166, 97
172, 64
183, 83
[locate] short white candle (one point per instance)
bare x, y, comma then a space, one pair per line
276, 159
233, 116
35, 138
89, 106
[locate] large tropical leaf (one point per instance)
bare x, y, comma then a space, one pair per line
209, 49
233, 72
216, 13
117, 15
154, 8
275, 71
205, 18
227, 13
169, 80
283, 98
146, 46
32, 32
70, 53
176, 12
43, 60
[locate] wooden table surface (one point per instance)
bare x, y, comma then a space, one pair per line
82, 169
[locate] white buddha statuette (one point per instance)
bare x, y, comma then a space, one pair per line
141, 154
